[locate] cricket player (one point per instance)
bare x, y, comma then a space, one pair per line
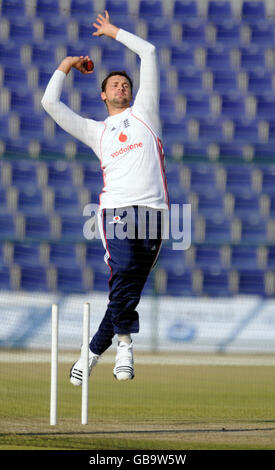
129, 147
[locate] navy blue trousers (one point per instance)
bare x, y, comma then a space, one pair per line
130, 261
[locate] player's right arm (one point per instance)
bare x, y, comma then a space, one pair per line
85, 130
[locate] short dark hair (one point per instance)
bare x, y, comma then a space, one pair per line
111, 74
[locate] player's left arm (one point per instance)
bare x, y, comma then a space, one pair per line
147, 98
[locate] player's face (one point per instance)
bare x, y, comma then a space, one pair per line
117, 92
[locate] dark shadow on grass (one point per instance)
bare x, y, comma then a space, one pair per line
145, 431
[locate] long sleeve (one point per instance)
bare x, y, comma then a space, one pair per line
147, 98
85, 130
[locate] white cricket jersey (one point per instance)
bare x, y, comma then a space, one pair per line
127, 144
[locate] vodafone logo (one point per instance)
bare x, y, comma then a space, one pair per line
122, 137
127, 149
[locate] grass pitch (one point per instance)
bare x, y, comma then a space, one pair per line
183, 407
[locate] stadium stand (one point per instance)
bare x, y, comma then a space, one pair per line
217, 106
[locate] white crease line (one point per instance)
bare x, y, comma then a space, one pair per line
67, 358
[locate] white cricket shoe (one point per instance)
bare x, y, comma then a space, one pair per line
77, 368
124, 365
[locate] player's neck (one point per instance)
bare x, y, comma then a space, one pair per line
113, 111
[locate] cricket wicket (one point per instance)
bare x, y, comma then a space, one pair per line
54, 364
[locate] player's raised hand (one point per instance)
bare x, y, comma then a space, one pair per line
80, 63
83, 63
104, 26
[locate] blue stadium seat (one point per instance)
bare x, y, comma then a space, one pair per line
159, 32
167, 104
72, 228
244, 257
271, 129
252, 282
183, 9
202, 176
92, 175
216, 283
198, 105
11, 74
207, 256
12, 8
2, 256
21, 28
31, 125
195, 149
170, 259
253, 10
91, 104
238, 177
56, 30
117, 8
175, 130
272, 205
18, 147
228, 32
210, 202
3, 201
95, 255
5, 278
63, 255
233, 105
22, 100
8, 227
225, 81
266, 105
112, 54
43, 53
270, 261
252, 57
59, 173
26, 254
81, 8
23, 173
218, 57
246, 130
84, 151
44, 74
52, 148
268, 179
46, 8
85, 29
30, 200
183, 56
4, 126
190, 80
38, 227
9, 49
34, 278
259, 81
101, 278
194, 31
66, 200
217, 230
262, 33
254, 230
83, 83
180, 283
219, 9
228, 151
247, 203
210, 129
70, 280
264, 151
149, 8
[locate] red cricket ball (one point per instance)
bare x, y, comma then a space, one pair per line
89, 65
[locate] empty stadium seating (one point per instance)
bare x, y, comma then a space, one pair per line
217, 103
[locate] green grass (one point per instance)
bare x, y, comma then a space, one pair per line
175, 407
